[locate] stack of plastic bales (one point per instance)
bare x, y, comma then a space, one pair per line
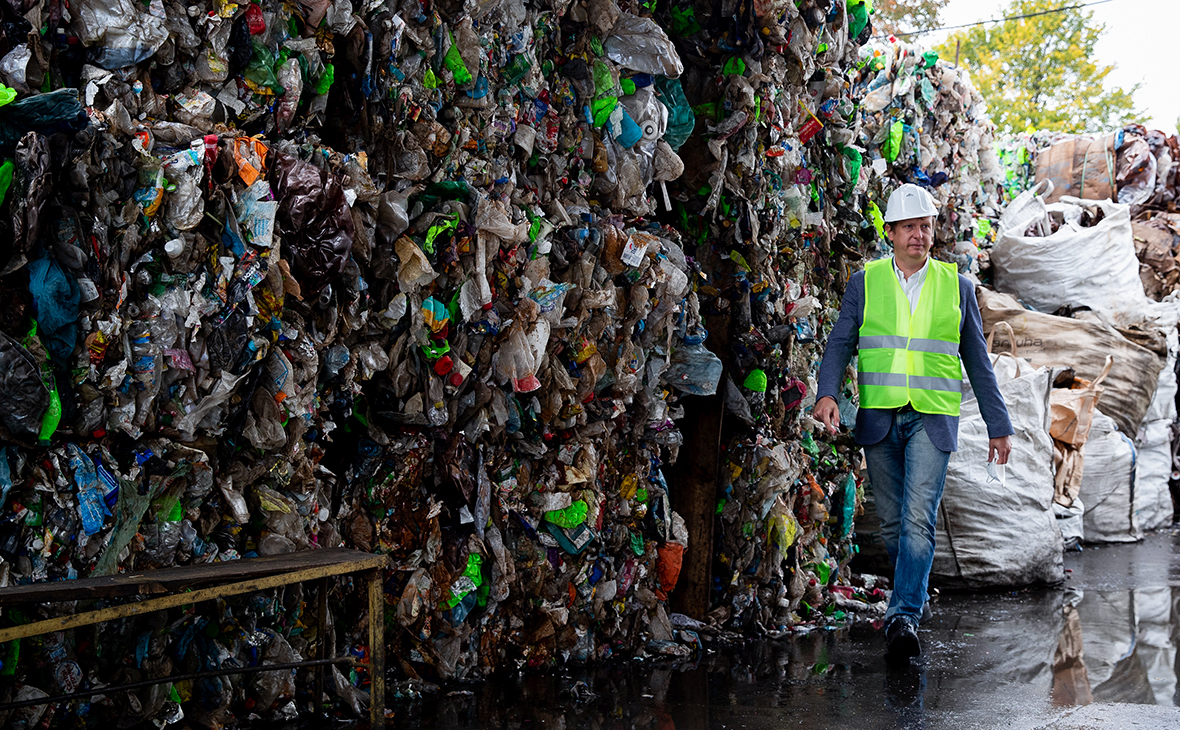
426, 279
925, 123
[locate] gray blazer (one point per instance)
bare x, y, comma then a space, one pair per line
873, 424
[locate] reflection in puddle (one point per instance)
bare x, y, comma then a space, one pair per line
1117, 646
993, 660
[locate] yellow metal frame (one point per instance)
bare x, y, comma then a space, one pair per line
373, 565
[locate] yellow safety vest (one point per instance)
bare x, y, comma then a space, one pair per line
911, 358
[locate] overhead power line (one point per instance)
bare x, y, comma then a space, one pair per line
996, 20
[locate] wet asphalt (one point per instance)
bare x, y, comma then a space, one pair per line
1099, 652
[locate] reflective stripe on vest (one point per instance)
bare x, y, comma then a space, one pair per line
909, 357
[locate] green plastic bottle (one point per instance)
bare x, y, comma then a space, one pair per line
52, 417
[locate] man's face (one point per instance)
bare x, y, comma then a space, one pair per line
912, 239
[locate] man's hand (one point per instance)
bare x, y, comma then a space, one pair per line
828, 413
997, 449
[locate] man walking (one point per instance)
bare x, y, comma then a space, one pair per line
912, 320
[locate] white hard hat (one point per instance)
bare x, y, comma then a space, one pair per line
909, 201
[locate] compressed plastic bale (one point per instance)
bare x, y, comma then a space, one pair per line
330, 400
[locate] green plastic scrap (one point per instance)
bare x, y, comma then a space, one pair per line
472, 571
740, 260
52, 417
7, 95
858, 17
877, 218
755, 381
892, 146
607, 90
11, 659
454, 62
601, 108
261, 70
681, 119
926, 89
855, 161
809, 445
6, 171
535, 222
637, 545
176, 511
516, 69
324, 83
569, 517
684, 22
734, 67
930, 58
440, 191
848, 505
445, 224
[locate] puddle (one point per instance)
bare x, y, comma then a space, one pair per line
1118, 646
1016, 661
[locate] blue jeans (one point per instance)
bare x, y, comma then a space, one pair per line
907, 474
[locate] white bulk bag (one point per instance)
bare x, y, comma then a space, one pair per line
1093, 266
1001, 533
1108, 484
1153, 497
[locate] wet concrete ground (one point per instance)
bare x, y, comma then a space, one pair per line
1099, 653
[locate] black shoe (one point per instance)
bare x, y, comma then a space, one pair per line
901, 639
926, 614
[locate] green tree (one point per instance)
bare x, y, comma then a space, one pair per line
1039, 72
902, 16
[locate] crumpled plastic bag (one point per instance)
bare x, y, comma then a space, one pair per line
118, 33
23, 392
694, 369
57, 111
21, 69
1136, 172
56, 295
315, 218
681, 119
640, 44
264, 423
33, 188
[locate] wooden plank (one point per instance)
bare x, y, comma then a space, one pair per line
321, 644
692, 484
377, 650
62, 623
171, 580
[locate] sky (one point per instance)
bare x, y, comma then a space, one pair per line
1140, 40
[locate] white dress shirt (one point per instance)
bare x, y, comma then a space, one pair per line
913, 285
